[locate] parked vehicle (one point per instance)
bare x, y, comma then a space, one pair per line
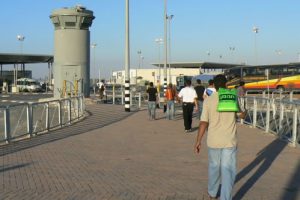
28, 85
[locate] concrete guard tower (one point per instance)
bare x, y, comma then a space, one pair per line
71, 66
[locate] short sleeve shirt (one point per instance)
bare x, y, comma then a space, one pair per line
188, 94
221, 125
152, 93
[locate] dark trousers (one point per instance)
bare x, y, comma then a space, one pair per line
187, 109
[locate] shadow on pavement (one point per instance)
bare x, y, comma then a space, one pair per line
292, 191
264, 160
8, 168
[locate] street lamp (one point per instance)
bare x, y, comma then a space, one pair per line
139, 53
127, 58
159, 41
231, 49
21, 39
142, 57
208, 54
279, 53
93, 46
169, 18
165, 46
255, 30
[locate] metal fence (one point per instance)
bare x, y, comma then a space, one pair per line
27, 119
277, 116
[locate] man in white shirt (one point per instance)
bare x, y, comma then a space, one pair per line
189, 99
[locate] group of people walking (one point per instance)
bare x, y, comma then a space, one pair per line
220, 128
190, 97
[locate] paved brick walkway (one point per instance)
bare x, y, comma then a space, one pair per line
113, 155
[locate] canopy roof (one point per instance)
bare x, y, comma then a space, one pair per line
202, 65
24, 58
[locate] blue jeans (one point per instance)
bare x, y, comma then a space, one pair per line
200, 106
151, 109
221, 167
170, 113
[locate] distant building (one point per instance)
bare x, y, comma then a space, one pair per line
176, 69
151, 75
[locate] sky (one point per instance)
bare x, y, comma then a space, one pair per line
222, 28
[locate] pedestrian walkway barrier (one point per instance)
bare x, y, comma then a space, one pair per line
29, 119
277, 116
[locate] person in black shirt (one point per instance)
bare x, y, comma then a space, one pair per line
199, 90
152, 96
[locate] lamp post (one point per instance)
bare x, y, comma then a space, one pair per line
127, 58
159, 41
142, 58
136, 72
255, 30
169, 18
208, 54
139, 55
93, 46
166, 47
21, 39
231, 49
279, 53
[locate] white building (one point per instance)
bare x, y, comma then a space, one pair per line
152, 75
177, 69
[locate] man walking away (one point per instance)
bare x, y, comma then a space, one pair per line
221, 142
200, 91
170, 97
189, 99
152, 96
210, 89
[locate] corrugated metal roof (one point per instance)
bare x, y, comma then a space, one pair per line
24, 58
202, 65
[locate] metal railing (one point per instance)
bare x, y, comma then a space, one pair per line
27, 119
274, 94
276, 116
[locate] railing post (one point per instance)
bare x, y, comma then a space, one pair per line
291, 95
254, 112
78, 107
59, 114
268, 116
82, 105
113, 95
69, 111
47, 117
7, 124
281, 115
295, 123
29, 119
140, 99
264, 94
